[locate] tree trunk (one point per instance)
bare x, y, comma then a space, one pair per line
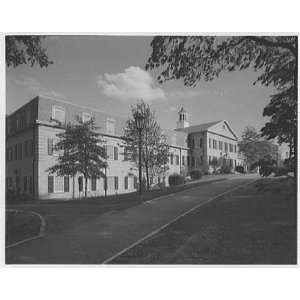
85, 188
147, 175
73, 195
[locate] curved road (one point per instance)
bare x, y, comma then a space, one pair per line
101, 239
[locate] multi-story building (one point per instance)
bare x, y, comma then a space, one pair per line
31, 136
208, 142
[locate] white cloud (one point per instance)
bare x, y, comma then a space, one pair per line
34, 86
132, 85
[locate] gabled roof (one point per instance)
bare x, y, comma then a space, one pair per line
206, 127
200, 127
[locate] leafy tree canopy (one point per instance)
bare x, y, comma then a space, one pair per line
193, 58
25, 49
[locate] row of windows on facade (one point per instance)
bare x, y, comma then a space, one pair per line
19, 121
20, 150
27, 183
214, 145
62, 184
112, 152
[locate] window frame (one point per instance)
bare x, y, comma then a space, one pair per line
57, 108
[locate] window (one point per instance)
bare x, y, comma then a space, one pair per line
50, 146
230, 147
183, 160
59, 184
171, 159
220, 145
25, 184
188, 160
193, 161
50, 184
109, 151
209, 143
20, 151
116, 152
191, 142
26, 149
94, 183
116, 182
66, 184
234, 148
110, 126
226, 147
177, 160
16, 151
86, 117
201, 143
58, 114
214, 144
126, 182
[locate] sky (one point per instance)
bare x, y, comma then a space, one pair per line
107, 73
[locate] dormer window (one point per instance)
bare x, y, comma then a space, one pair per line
86, 117
58, 113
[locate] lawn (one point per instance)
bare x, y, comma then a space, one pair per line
253, 225
21, 225
63, 215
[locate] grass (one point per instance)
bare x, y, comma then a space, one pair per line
63, 215
21, 225
253, 225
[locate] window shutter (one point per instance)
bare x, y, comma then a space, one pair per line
116, 182
50, 146
66, 184
135, 182
116, 153
30, 184
126, 182
50, 184
94, 183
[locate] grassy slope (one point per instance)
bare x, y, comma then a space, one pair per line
254, 225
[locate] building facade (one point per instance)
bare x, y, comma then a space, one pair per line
209, 142
31, 133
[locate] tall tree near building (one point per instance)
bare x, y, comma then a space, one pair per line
67, 164
82, 152
255, 147
25, 49
155, 150
193, 58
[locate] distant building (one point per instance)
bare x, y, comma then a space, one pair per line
208, 142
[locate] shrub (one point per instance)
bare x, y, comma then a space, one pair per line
196, 174
225, 169
176, 179
240, 169
280, 171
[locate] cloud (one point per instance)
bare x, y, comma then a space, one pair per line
132, 85
34, 86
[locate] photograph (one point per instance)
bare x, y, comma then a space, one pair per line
151, 149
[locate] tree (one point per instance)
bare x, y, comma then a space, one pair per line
80, 152
67, 164
193, 58
25, 49
90, 155
255, 147
155, 150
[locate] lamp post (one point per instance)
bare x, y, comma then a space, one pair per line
138, 117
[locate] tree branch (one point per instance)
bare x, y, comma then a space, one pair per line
268, 43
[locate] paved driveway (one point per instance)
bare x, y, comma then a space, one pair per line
95, 241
